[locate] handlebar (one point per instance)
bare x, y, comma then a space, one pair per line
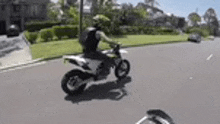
115, 45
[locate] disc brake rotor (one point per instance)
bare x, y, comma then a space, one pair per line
123, 69
72, 82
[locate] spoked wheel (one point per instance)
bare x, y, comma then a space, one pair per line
71, 82
122, 70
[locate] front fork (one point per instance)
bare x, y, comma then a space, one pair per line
117, 61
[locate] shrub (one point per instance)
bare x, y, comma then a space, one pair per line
31, 36
150, 31
166, 31
46, 34
68, 30
202, 32
36, 26
147, 30
58, 31
71, 31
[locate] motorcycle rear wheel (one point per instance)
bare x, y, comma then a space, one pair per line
72, 78
122, 70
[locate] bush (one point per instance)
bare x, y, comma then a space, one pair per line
71, 31
131, 30
165, 31
58, 31
31, 36
68, 30
202, 32
36, 26
46, 34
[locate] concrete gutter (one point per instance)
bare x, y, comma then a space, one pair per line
20, 65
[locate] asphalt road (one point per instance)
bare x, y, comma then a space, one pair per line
181, 79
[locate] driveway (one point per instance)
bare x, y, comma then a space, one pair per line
13, 51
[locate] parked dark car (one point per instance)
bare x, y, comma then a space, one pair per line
13, 30
195, 37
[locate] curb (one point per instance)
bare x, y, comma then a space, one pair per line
20, 65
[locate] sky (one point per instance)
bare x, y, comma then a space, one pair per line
181, 8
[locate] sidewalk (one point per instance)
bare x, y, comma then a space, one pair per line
16, 58
16, 54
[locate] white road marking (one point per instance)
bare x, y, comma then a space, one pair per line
142, 120
209, 58
22, 67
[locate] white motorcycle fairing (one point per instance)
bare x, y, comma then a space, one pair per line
110, 51
86, 62
77, 60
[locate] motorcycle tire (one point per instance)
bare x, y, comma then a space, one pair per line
121, 71
68, 77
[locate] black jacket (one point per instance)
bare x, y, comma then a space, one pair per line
88, 40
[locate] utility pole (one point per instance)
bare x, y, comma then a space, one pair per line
80, 18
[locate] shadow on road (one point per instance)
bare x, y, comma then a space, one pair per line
114, 90
194, 42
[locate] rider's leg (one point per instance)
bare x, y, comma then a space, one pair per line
108, 62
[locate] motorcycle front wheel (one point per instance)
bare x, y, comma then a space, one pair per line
122, 69
71, 82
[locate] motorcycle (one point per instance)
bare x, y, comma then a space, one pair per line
75, 81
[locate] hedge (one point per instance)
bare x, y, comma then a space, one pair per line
36, 26
68, 30
202, 32
46, 34
147, 30
31, 36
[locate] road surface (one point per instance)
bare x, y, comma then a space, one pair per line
181, 79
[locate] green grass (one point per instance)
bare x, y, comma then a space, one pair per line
55, 49
58, 48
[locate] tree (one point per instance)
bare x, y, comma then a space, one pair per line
194, 18
140, 12
53, 12
212, 21
133, 15
152, 3
73, 15
62, 4
96, 5
209, 14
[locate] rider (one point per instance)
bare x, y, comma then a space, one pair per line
90, 39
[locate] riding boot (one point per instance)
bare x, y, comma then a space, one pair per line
106, 69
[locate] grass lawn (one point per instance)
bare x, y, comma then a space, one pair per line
58, 48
